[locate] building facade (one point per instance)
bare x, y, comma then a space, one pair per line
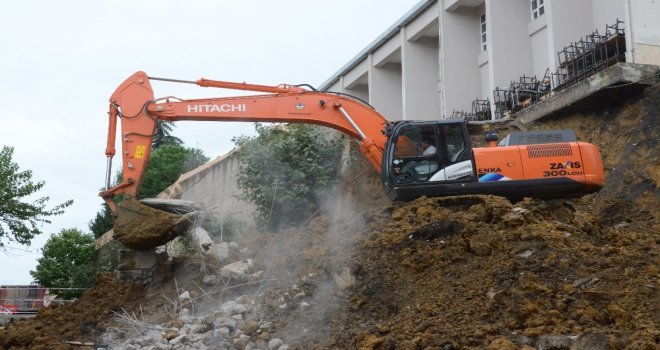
443, 54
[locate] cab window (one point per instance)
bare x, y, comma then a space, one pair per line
454, 143
415, 154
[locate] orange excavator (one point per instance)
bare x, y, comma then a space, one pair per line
414, 158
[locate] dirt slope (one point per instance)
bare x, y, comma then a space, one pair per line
471, 275
82, 320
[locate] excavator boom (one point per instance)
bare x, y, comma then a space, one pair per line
134, 103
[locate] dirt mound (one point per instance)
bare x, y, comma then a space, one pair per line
482, 273
451, 272
81, 320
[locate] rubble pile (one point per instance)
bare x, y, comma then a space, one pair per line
233, 324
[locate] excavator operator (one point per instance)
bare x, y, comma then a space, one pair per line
428, 149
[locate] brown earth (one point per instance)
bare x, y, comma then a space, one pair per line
474, 272
81, 321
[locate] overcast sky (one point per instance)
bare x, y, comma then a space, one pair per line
61, 60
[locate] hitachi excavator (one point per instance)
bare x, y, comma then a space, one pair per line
414, 158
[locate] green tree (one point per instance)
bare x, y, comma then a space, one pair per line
166, 164
163, 135
102, 222
20, 217
284, 168
68, 261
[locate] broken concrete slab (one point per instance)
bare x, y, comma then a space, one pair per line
170, 205
619, 73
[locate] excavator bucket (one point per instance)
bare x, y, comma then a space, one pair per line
142, 227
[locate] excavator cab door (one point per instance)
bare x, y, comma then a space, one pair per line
424, 157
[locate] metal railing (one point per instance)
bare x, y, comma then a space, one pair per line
27, 300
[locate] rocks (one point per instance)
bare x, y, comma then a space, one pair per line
210, 281
230, 324
585, 282
180, 339
250, 327
274, 344
221, 333
242, 341
238, 271
184, 316
184, 297
344, 279
225, 322
554, 342
591, 341
479, 248
232, 308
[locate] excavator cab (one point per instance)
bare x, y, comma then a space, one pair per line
548, 164
423, 155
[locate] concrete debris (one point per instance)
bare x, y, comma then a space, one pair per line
225, 322
526, 254
345, 279
219, 251
274, 344
238, 271
621, 225
170, 205
554, 342
200, 238
210, 281
180, 339
184, 316
585, 282
184, 297
231, 327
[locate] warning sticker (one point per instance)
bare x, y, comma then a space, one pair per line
139, 151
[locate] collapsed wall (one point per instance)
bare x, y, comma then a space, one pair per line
214, 186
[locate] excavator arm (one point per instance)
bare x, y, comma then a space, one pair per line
134, 103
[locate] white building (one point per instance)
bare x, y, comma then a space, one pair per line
444, 54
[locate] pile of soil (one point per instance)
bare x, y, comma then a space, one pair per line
468, 272
481, 272
81, 321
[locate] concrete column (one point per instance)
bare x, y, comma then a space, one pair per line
359, 88
385, 89
356, 81
419, 61
510, 47
461, 77
644, 31
570, 20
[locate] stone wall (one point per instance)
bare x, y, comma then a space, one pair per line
214, 186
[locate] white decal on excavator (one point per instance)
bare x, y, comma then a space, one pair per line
240, 107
